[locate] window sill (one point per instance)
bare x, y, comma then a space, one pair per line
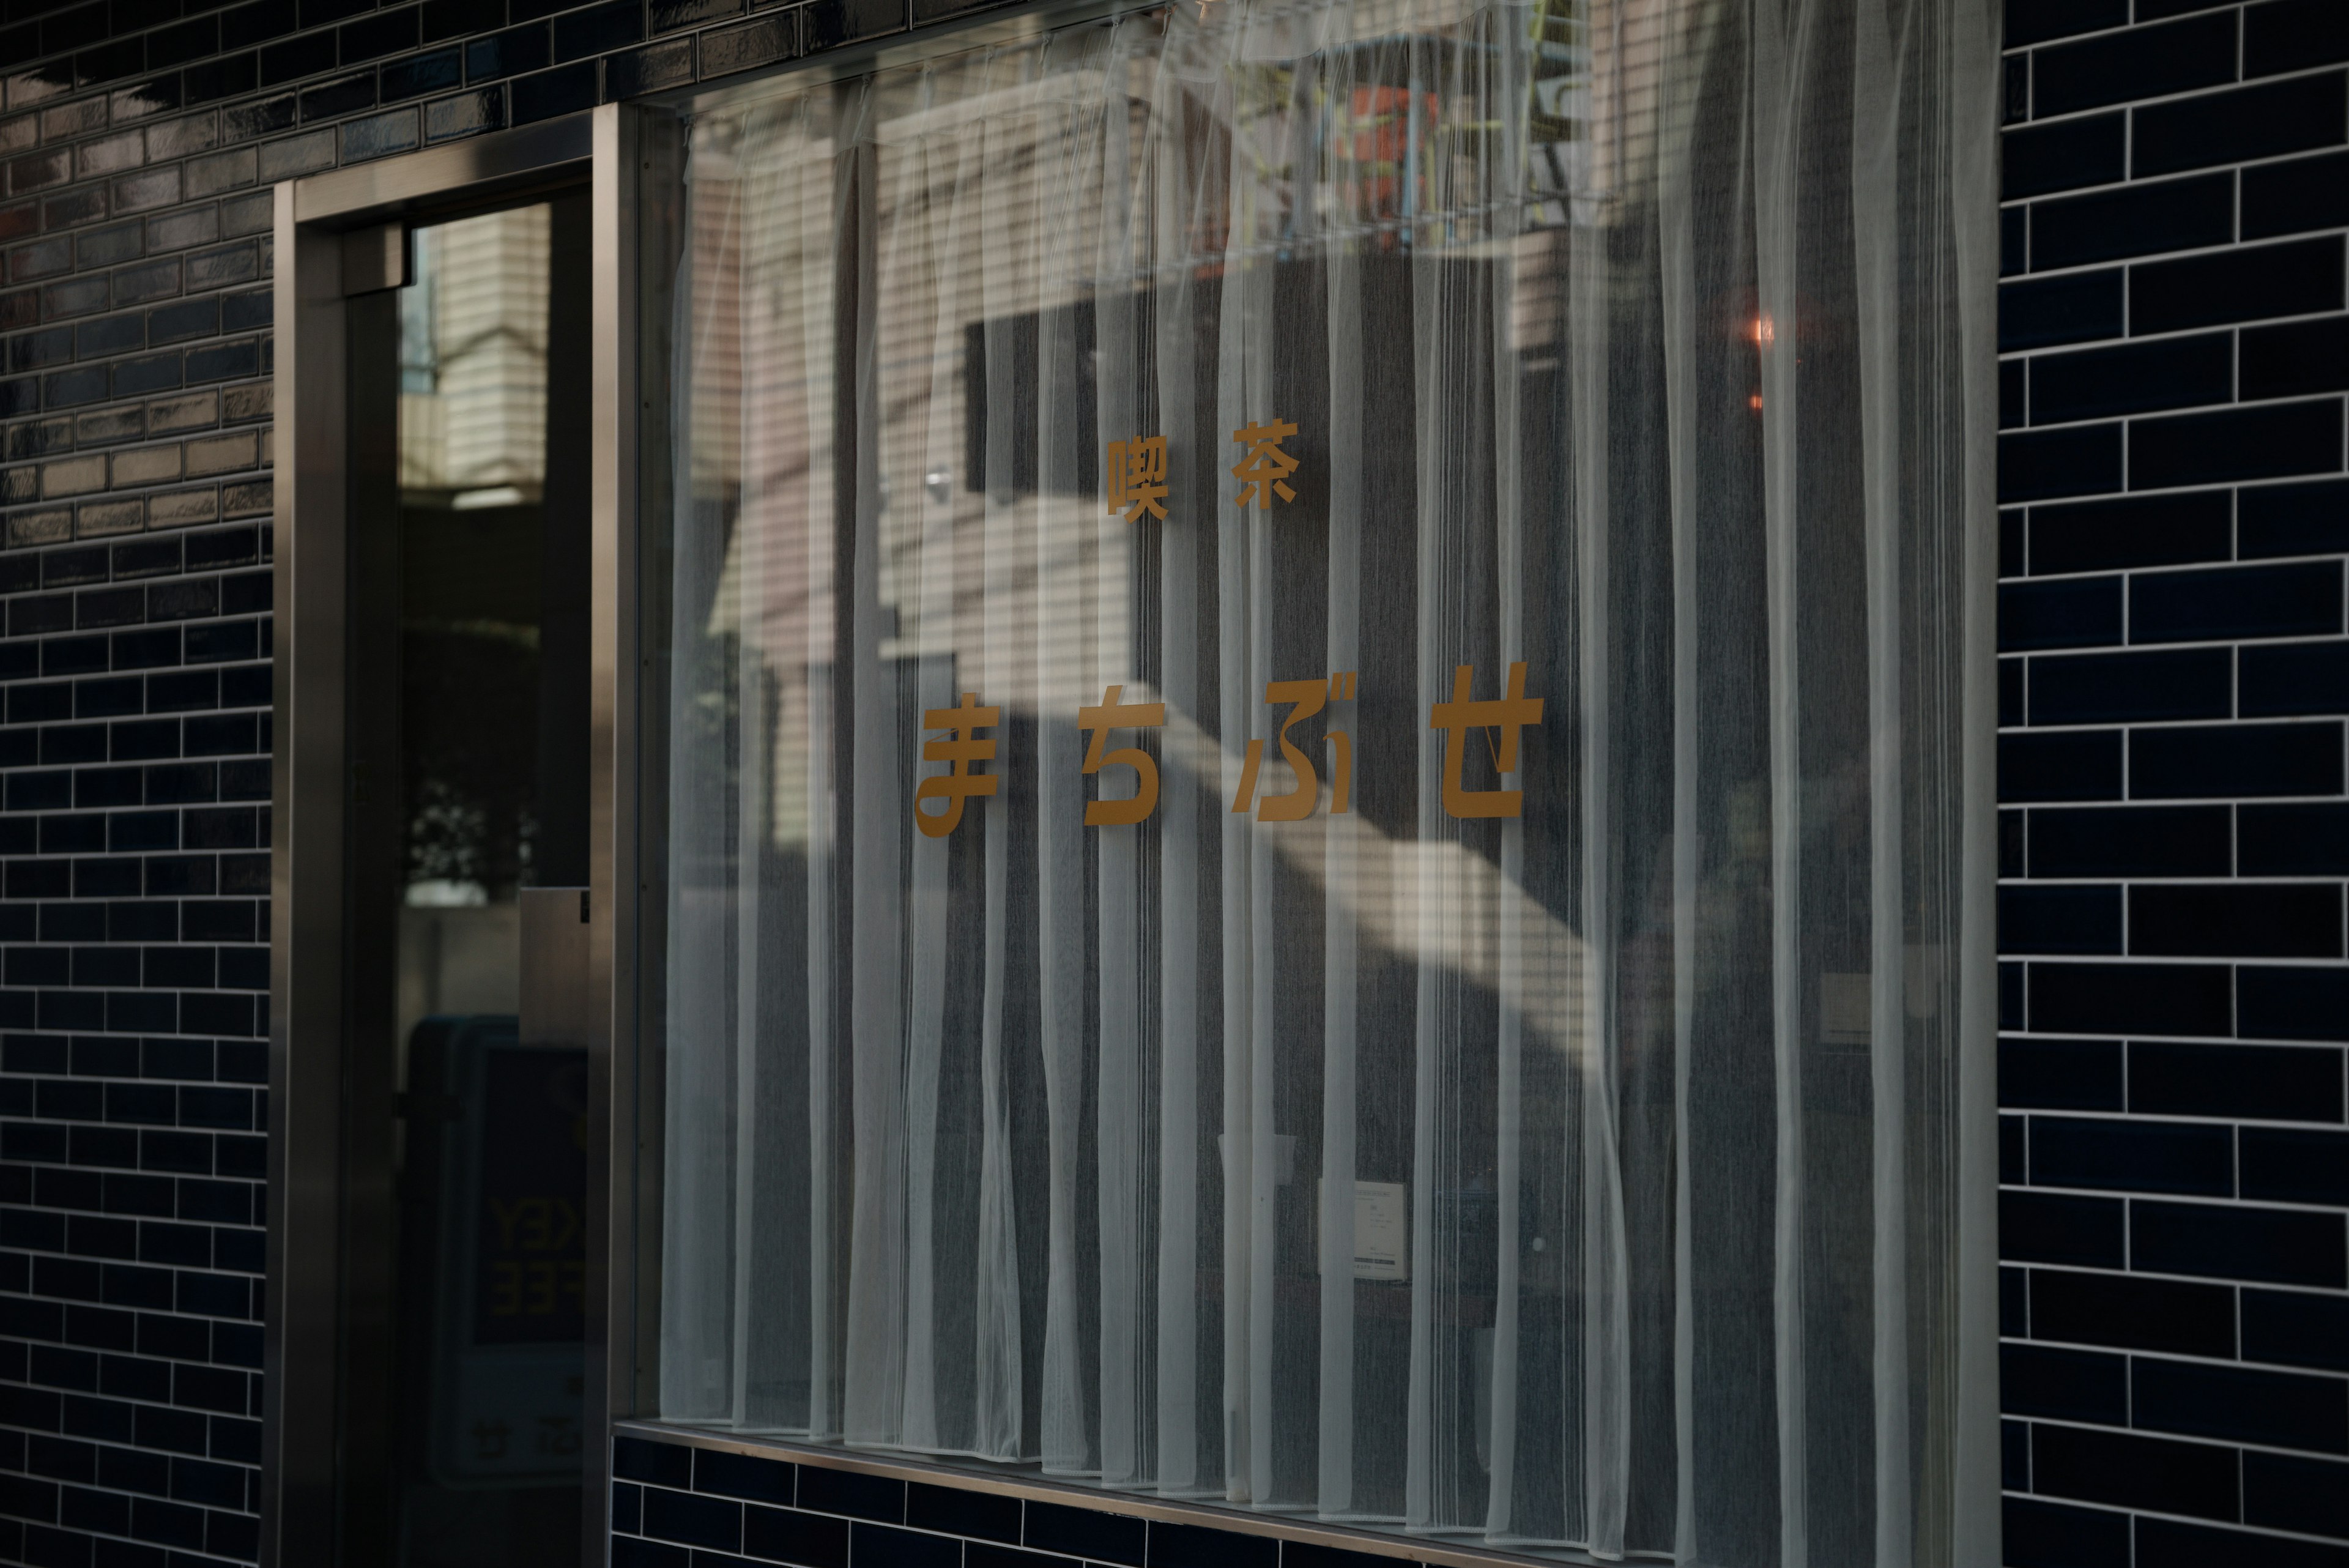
1025, 1483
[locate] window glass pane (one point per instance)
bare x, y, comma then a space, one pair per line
1319, 736
468, 679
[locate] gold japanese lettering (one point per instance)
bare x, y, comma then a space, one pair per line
1264, 472
1510, 712
958, 784
1114, 715
1306, 698
1137, 473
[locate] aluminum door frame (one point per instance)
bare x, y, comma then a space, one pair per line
320, 230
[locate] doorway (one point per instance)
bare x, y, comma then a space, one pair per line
464, 1270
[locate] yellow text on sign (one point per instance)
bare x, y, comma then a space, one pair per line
1510, 712
1305, 699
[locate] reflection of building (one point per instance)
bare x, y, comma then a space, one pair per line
472, 345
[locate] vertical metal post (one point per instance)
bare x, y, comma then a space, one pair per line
305, 997
615, 882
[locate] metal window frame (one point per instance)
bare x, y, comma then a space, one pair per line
319, 231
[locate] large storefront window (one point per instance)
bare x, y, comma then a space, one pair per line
1328, 802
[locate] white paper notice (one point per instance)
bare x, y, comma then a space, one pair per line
1382, 1229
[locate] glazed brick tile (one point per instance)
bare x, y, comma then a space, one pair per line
508, 54
2294, 360
2285, 1491
2098, 689
438, 71
2240, 920
693, 1520
2263, 441
597, 29
2302, 519
881, 1499
2300, 114
1196, 1546
2065, 156
2136, 531
2060, 1074
2041, 465
987, 1554
652, 68
2173, 372
2059, 919
2294, 678
2251, 283
2067, 1385
2132, 1156
2247, 1082
2040, 1535
561, 90
2138, 62
630, 1551
2073, 612
744, 1476
2292, 1165
2292, 34
2048, 1228
2280, 1246
2038, 21
2199, 1480
887, 1546
2163, 999
2239, 759
765, 41
2172, 1543
387, 34
1084, 1532
954, 1510
2296, 196
787, 1535
2077, 307
828, 24
2296, 1328
2065, 765
2295, 840
668, 16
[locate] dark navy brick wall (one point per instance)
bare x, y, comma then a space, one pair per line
2174, 832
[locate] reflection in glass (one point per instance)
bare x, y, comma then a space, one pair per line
487, 1368
1561, 1146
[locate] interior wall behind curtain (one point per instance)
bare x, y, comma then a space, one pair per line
1562, 1120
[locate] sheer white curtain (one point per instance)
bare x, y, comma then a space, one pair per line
1526, 1075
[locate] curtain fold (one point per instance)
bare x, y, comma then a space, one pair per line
1327, 718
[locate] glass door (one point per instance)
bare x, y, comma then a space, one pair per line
464, 1270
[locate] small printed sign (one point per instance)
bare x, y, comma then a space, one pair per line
1382, 1229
